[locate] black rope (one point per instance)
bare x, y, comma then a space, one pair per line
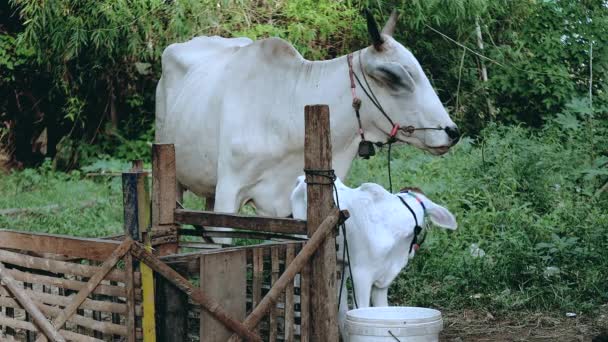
330, 175
417, 228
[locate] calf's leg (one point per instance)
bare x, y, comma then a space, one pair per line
380, 296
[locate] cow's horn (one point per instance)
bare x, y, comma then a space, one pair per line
372, 28
389, 28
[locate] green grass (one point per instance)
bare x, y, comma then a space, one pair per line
87, 208
529, 199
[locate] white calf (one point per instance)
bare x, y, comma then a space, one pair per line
380, 234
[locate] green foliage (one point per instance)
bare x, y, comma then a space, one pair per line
12, 56
529, 200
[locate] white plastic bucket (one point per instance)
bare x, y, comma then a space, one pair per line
392, 324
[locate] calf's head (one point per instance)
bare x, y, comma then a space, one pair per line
403, 90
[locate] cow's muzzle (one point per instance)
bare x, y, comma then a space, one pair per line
453, 133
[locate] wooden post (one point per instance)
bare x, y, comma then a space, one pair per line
317, 156
136, 200
164, 195
135, 221
172, 313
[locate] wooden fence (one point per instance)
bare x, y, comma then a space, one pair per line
142, 288
64, 278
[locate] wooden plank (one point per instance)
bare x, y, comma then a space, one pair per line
258, 277
224, 278
199, 245
255, 223
215, 232
130, 297
290, 272
164, 195
26, 302
88, 304
72, 336
104, 327
55, 266
70, 310
172, 313
305, 283
93, 249
195, 294
274, 276
108, 290
188, 263
130, 207
317, 156
164, 184
289, 299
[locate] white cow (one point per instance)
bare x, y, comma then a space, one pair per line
379, 233
234, 109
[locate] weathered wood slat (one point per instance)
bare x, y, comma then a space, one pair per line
130, 296
289, 300
305, 282
255, 223
26, 302
298, 263
224, 278
109, 290
104, 327
56, 266
93, 249
199, 245
274, 276
214, 232
258, 277
72, 336
88, 304
195, 294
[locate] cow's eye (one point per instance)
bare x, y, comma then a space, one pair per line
391, 77
395, 77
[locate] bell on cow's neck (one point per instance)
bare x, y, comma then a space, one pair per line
366, 149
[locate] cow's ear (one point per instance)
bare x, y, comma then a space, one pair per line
393, 76
441, 216
372, 29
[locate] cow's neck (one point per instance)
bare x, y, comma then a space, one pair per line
328, 82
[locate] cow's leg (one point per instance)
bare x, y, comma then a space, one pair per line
210, 203
379, 296
363, 288
226, 201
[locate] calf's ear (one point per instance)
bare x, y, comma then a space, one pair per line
442, 217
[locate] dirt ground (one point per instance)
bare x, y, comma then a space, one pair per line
470, 325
